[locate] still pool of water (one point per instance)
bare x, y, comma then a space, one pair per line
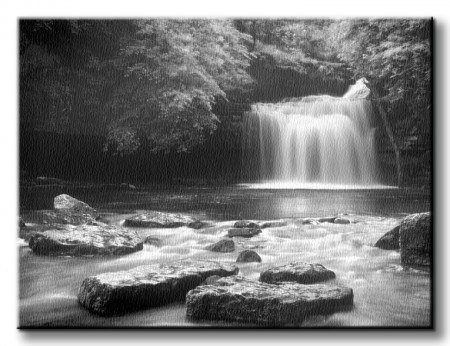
386, 294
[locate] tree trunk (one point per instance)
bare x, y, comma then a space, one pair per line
390, 134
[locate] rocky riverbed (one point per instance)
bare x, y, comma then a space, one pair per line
292, 258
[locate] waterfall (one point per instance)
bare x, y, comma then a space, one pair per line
315, 139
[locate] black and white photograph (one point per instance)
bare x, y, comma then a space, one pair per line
232, 173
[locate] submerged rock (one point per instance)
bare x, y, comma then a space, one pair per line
157, 219
66, 203
341, 220
153, 241
85, 240
197, 224
245, 224
243, 232
327, 219
390, 240
146, 286
248, 256
242, 300
415, 240
303, 273
274, 224
224, 245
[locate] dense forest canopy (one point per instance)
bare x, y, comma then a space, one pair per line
157, 82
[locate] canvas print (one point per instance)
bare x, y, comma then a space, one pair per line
225, 173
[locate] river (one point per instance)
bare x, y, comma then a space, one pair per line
386, 294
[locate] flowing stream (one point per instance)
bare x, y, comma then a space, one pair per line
386, 294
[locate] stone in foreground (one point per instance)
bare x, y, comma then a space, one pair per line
302, 273
224, 245
242, 300
390, 240
415, 240
69, 240
243, 232
146, 286
248, 256
157, 219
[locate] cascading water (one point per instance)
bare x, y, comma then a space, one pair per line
313, 140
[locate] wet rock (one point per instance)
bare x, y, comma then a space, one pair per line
211, 280
245, 224
153, 241
224, 245
310, 222
303, 273
146, 286
327, 219
341, 220
63, 217
156, 219
248, 256
242, 300
274, 224
197, 224
415, 240
390, 241
68, 204
243, 232
85, 240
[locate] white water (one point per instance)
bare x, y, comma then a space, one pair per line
315, 140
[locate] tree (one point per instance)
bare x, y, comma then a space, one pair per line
395, 57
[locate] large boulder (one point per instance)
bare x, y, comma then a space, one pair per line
242, 300
390, 240
197, 224
157, 219
85, 240
243, 232
66, 203
303, 273
224, 245
146, 286
248, 256
415, 240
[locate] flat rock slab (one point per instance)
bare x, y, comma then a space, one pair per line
157, 219
63, 217
146, 286
303, 273
82, 240
242, 300
243, 232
